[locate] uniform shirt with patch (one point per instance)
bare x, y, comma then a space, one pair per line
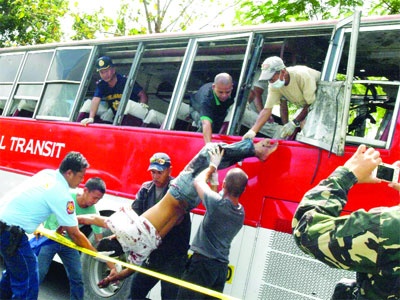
112, 95
52, 223
29, 204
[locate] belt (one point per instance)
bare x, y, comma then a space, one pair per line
196, 254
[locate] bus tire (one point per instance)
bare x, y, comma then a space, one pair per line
94, 271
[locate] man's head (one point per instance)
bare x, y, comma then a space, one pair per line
93, 191
235, 182
223, 86
73, 168
106, 68
270, 67
160, 168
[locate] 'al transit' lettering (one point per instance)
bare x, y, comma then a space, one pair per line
36, 147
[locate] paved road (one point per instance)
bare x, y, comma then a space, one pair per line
55, 285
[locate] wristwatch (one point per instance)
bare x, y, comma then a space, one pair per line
297, 123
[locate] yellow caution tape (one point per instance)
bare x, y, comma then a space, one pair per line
64, 241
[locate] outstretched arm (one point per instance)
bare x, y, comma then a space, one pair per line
92, 219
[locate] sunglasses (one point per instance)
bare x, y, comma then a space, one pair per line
160, 161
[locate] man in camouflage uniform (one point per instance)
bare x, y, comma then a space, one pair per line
365, 242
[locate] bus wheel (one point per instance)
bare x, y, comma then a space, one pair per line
94, 271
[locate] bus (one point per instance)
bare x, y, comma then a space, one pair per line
44, 89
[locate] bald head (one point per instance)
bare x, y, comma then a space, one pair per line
223, 86
223, 78
236, 181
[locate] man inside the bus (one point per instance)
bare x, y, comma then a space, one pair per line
110, 89
297, 84
210, 104
255, 104
367, 242
140, 235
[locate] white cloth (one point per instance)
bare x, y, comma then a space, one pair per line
135, 234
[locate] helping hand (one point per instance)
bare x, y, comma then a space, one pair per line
87, 121
214, 178
249, 135
105, 253
215, 156
288, 129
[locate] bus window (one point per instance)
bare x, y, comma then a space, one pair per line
62, 84
373, 109
29, 85
9, 64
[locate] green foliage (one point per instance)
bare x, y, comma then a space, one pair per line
271, 11
86, 26
24, 22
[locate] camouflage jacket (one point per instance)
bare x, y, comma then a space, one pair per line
365, 242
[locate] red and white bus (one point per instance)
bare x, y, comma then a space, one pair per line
44, 88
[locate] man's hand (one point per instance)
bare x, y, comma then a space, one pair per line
215, 156
87, 121
250, 135
288, 129
214, 178
363, 162
105, 253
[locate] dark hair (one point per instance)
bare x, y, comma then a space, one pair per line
107, 244
236, 181
73, 161
96, 184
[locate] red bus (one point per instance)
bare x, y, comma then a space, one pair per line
44, 88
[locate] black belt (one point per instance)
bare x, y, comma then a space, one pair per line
196, 254
16, 234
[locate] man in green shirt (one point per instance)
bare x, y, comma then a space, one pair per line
85, 200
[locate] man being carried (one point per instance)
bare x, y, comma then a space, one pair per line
140, 235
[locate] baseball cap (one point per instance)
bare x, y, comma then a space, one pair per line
103, 63
270, 66
159, 161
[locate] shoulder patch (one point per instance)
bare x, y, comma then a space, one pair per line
70, 207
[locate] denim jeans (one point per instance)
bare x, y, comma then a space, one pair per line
20, 279
174, 265
182, 186
72, 264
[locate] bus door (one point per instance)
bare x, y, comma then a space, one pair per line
205, 58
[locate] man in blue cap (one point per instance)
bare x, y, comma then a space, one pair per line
110, 88
171, 256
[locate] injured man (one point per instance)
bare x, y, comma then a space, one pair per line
138, 236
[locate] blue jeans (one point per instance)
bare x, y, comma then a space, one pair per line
173, 266
72, 264
182, 187
20, 278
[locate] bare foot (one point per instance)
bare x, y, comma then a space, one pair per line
264, 148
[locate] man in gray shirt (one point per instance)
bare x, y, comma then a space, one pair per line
223, 219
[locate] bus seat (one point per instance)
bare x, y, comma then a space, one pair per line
129, 120
136, 109
85, 109
153, 119
25, 109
